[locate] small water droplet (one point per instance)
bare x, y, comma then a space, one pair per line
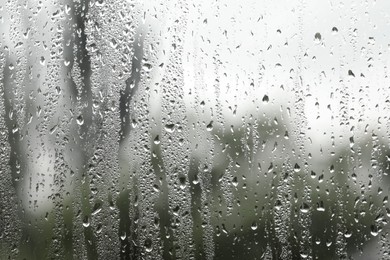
304, 208
210, 126
86, 222
99, 228
113, 43
347, 234
80, 120
320, 207
42, 61
182, 180
15, 129
96, 208
317, 38
53, 129
235, 182
195, 180
254, 226
374, 230
278, 205
170, 128
156, 140
147, 67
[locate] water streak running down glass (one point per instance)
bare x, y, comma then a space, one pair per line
200, 129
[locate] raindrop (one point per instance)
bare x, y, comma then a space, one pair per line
210, 126
170, 128
347, 234
96, 208
320, 206
53, 129
86, 222
351, 142
304, 208
80, 120
235, 182
182, 180
317, 38
297, 168
148, 245
278, 205
374, 230
156, 140
113, 43
42, 61
254, 226
147, 67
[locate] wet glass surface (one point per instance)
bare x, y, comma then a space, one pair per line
194, 129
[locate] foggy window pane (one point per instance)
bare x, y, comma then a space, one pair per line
201, 129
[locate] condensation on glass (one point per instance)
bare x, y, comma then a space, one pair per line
194, 129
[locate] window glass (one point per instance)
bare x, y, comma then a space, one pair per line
201, 129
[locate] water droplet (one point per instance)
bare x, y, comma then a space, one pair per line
210, 126
86, 222
317, 38
351, 142
347, 234
182, 180
80, 120
304, 255
148, 245
113, 43
96, 208
157, 139
99, 228
42, 61
304, 208
147, 67
235, 182
53, 129
320, 206
278, 205
254, 226
374, 230
170, 128
15, 129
